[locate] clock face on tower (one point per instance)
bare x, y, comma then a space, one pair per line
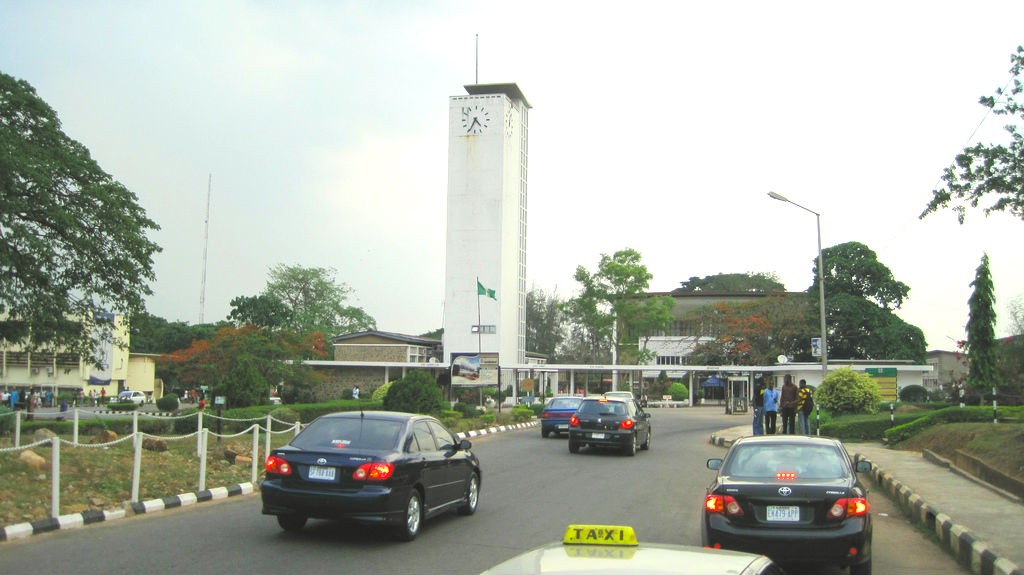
475, 119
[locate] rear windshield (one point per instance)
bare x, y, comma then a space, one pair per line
603, 408
564, 403
349, 433
766, 461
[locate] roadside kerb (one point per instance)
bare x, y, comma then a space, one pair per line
971, 552
88, 517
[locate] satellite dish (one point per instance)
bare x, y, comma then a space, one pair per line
782, 359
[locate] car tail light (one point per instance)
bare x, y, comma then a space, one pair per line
786, 476
574, 421
278, 465
723, 504
627, 424
373, 472
852, 507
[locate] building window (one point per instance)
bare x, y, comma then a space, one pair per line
485, 329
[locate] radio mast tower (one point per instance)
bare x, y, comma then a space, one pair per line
206, 243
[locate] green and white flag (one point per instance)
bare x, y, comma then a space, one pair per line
481, 290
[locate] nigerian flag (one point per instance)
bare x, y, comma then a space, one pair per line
481, 290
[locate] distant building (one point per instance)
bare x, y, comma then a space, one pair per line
948, 368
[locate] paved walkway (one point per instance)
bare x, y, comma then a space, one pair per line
980, 524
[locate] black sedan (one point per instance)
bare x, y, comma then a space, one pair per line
608, 422
377, 467
795, 499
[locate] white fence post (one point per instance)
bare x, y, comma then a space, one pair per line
55, 477
199, 433
136, 467
17, 429
296, 428
74, 430
255, 449
267, 440
135, 422
202, 457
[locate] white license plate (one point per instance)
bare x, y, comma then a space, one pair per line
562, 426
597, 436
321, 473
783, 513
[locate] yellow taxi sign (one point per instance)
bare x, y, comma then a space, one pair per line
599, 535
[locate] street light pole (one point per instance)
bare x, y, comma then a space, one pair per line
821, 282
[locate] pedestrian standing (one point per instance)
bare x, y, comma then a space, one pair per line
805, 407
771, 408
759, 408
355, 392
788, 400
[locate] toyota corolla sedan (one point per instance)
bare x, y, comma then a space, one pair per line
796, 499
607, 422
377, 467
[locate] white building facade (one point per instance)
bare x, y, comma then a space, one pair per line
486, 227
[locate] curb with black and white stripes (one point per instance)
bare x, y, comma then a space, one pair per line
91, 516
969, 550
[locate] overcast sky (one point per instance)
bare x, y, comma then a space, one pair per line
655, 126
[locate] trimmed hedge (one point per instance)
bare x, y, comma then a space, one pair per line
870, 429
948, 415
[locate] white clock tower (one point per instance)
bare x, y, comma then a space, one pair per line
486, 242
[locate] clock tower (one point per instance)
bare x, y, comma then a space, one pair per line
486, 228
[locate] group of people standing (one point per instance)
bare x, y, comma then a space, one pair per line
795, 404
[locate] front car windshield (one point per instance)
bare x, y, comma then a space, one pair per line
349, 433
765, 461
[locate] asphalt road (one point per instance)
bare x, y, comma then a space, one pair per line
532, 488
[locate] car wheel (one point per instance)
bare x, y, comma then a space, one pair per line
545, 432
574, 447
647, 444
472, 496
631, 447
291, 523
411, 519
861, 569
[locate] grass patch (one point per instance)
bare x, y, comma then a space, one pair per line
999, 445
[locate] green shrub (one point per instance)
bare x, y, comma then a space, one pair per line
948, 415
678, 391
522, 413
452, 423
417, 392
914, 393
863, 428
451, 414
122, 406
537, 409
346, 393
285, 414
467, 410
487, 419
167, 403
6, 420
848, 391
381, 392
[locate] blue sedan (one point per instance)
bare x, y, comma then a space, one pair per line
555, 416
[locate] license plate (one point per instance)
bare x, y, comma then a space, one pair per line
321, 473
597, 435
783, 513
562, 426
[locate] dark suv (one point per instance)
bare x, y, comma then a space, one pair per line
608, 422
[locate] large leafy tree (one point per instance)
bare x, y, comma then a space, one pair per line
152, 334
73, 242
615, 296
981, 335
745, 282
544, 327
316, 301
264, 311
244, 364
990, 172
756, 332
861, 295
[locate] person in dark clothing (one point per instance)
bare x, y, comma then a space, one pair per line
788, 400
804, 408
759, 409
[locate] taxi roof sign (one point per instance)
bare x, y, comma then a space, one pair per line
599, 535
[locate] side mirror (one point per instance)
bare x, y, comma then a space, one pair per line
465, 444
863, 466
714, 463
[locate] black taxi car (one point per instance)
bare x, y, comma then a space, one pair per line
610, 422
796, 499
378, 467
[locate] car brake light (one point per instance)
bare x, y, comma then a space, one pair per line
723, 504
626, 424
278, 465
373, 472
574, 421
786, 476
852, 507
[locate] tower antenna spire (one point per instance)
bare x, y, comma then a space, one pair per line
476, 71
206, 243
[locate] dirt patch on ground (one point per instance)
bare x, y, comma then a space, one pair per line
999, 445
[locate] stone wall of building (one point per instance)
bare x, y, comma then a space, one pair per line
396, 353
339, 379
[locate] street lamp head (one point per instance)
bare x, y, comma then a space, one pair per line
779, 197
